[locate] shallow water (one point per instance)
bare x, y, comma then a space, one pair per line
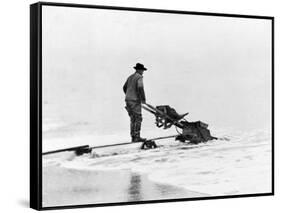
63, 186
239, 165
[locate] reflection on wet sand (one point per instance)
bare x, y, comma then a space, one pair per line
135, 190
63, 186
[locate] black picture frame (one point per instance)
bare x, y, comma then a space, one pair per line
36, 101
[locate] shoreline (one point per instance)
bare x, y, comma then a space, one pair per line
65, 186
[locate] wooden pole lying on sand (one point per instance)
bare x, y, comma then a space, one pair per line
126, 143
87, 148
66, 149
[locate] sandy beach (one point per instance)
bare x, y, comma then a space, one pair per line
63, 186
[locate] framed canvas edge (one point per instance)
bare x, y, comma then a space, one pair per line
35, 108
36, 104
139, 9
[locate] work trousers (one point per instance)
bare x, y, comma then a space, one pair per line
134, 110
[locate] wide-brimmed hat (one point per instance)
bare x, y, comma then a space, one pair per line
139, 66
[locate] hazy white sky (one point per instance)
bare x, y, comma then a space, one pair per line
216, 68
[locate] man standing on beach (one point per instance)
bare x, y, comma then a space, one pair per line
135, 96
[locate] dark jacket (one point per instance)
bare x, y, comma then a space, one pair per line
133, 88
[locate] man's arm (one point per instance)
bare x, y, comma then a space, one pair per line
141, 90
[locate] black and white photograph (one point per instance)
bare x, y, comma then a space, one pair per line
152, 106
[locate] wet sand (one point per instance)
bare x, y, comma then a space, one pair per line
63, 186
